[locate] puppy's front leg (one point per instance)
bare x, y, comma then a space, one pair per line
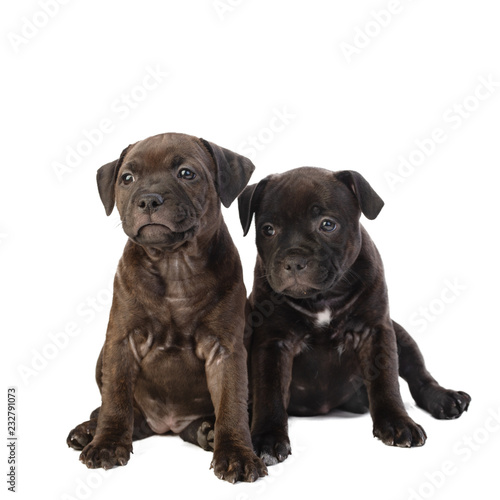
226, 371
271, 377
112, 443
379, 365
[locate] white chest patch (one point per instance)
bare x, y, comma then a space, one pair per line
324, 317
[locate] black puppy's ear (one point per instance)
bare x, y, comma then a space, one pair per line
233, 172
106, 178
370, 202
248, 201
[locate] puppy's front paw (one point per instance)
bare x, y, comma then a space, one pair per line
237, 463
399, 431
272, 447
106, 453
82, 434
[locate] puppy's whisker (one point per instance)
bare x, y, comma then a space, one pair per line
356, 276
263, 276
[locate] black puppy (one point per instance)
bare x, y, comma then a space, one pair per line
322, 334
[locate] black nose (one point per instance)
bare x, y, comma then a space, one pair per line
294, 263
150, 202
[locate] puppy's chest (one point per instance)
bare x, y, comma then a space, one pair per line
169, 328
322, 319
325, 330
181, 312
176, 301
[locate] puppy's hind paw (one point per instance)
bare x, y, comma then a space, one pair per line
82, 435
206, 435
444, 404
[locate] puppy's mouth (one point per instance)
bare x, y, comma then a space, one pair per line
159, 234
300, 292
301, 289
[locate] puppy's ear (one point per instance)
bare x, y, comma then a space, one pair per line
248, 201
369, 201
106, 178
233, 172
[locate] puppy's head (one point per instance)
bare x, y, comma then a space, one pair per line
168, 188
307, 226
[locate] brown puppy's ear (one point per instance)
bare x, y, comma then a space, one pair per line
248, 201
106, 178
233, 172
369, 201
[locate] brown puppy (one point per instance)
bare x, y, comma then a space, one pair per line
323, 337
174, 355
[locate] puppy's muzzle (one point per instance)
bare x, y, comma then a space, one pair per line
299, 273
294, 264
158, 218
149, 203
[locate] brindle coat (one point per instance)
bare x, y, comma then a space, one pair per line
174, 356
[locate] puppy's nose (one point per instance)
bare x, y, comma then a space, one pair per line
294, 263
150, 202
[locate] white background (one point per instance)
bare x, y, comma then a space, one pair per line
230, 71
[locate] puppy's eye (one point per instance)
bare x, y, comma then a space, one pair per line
268, 230
185, 173
328, 226
127, 179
